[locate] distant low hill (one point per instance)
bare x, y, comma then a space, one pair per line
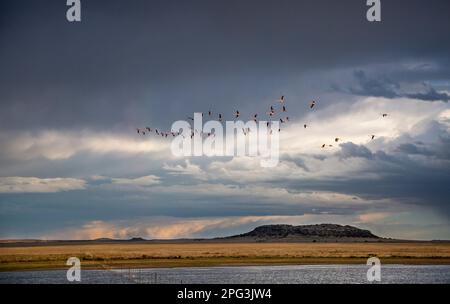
319, 232
268, 233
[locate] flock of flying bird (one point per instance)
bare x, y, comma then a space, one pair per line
272, 112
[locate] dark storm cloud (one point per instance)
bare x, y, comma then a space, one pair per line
129, 63
411, 148
351, 150
399, 177
430, 95
383, 86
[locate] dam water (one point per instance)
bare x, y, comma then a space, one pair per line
302, 274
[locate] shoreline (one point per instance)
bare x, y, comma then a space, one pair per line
225, 262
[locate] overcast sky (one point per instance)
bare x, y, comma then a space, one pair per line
72, 94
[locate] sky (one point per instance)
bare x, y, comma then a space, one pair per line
73, 94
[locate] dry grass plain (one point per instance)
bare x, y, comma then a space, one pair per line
220, 254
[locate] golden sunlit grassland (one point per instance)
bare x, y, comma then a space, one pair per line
220, 254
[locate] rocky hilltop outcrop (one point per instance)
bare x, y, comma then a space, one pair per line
306, 231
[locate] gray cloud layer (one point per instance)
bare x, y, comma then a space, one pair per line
72, 94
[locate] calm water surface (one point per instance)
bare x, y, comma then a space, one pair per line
304, 274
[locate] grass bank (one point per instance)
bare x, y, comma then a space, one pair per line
220, 254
